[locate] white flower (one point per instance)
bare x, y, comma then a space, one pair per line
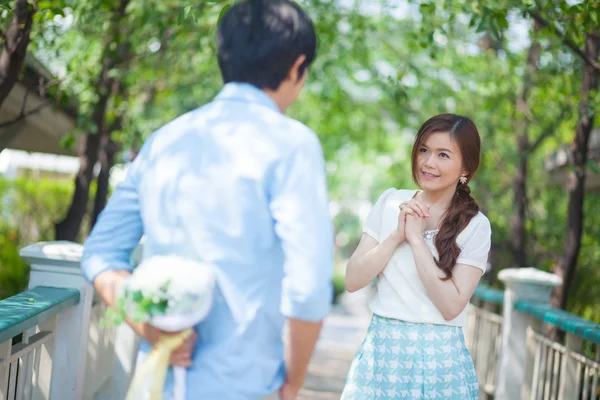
189, 289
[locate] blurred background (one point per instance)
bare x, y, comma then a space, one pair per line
84, 82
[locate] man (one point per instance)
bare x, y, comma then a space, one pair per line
241, 186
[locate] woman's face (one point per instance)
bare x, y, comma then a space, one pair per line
439, 162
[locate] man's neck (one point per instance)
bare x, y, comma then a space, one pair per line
277, 99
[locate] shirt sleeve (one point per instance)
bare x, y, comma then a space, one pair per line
372, 225
300, 209
475, 250
118, 229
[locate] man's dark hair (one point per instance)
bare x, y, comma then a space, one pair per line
258, 41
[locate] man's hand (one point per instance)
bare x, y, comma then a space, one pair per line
181, 356
303, 337
288, 391
108, 285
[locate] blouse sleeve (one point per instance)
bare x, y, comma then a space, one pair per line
475, 250
372, 225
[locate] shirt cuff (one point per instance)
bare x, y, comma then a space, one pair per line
93, 265
371, 233
312, 309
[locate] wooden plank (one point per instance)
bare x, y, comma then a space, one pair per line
12, 380
45, 362
5, 348
22, 360
569, 380
36, 340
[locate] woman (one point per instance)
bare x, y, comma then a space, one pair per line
428, 249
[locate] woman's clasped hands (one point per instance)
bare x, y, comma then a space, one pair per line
412, 220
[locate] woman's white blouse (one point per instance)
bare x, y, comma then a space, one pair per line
400, 294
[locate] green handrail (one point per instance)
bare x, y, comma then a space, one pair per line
27, 309
486, 293
562, 319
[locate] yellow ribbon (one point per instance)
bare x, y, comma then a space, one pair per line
155, 366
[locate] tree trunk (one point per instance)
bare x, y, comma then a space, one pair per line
15, 47
69, 227
108, 149
519, 231
578, 163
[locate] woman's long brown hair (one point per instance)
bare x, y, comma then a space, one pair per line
463, 207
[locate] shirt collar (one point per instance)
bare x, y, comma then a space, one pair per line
246, 93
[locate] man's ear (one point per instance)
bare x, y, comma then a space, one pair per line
294, 75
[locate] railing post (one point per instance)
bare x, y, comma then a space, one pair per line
126, 347
569, 385
56, 264
514, 375
127, 343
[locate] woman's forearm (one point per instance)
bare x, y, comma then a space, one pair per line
364, 268
443, 293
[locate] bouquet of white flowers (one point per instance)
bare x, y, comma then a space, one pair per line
172, 294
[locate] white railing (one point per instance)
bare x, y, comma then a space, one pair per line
89, 360
561, 369
483, 335
553, 361
513, 355
20, 370
29, 341
101, 355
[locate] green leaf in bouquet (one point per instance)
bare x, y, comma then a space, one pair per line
144, 304
165, 287
137, 296
113, 316
159, 307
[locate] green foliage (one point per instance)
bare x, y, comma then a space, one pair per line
585, 291
28, 210
139, 305
378, 76
14, 272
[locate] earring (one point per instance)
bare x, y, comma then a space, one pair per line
463, 179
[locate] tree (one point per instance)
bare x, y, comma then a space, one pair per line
114, 51
16, 40
130, 70
519, 234
579, 24
379, 74
579, 164
24, 27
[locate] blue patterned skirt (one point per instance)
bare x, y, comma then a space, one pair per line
405, 360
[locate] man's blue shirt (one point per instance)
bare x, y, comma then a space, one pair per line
241, 186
